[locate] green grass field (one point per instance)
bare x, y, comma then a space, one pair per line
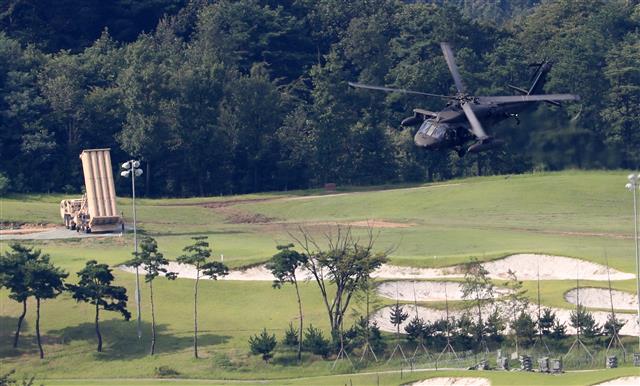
579, 214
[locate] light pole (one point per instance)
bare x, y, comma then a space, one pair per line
132, 168
632, 185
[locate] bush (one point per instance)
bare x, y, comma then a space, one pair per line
315, 342
263, 344
290, 337
414, 329
547, 321
166, 371
375, 339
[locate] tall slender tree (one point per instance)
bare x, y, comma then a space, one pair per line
94, 287
283, 266
13, 277
478, 287
153, 263
44, 281
197, 255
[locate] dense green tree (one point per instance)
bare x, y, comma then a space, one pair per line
623, 99
94, 287
223, 97
198, 254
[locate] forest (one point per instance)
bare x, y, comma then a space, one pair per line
228, 97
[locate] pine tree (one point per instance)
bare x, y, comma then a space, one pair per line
94, 287
397, 316
197, 255
263, 344
153, 263
414, 329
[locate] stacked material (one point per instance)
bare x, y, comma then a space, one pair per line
525, 363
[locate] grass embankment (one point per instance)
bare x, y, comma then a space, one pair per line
579, 214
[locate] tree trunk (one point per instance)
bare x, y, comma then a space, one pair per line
147, 184
295, 282
38, 328
20, 319
98, 328
195, 315
153, 321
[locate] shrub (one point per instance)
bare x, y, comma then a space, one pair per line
414, 328
290, 337
315, 342
166, 371
263, 344
375, 339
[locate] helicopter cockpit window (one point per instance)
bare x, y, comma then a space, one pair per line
433, 129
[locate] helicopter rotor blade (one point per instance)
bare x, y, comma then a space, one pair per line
529, 98
476, 126
453, 68
399, 90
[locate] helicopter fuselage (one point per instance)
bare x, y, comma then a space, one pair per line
450, 127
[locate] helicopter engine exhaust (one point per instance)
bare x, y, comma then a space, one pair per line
485, 144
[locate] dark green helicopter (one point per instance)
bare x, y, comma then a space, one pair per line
463, 118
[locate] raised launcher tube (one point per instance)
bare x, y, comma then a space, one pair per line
99, 214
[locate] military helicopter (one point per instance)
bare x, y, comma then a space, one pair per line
461, 121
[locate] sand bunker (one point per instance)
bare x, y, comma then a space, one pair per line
424, 290
381, 317
600, 298
257, 273
525, 266
453, 381
551, 268
623, 381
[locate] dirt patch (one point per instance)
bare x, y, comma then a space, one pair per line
428, 314
622, 381
239, 217
422, 291
600, 298
453, 381
380, 224
226, 203
23, 229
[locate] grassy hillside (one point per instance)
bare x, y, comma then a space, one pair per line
581, 214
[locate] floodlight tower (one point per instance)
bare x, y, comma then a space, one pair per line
132, 169
633, 185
